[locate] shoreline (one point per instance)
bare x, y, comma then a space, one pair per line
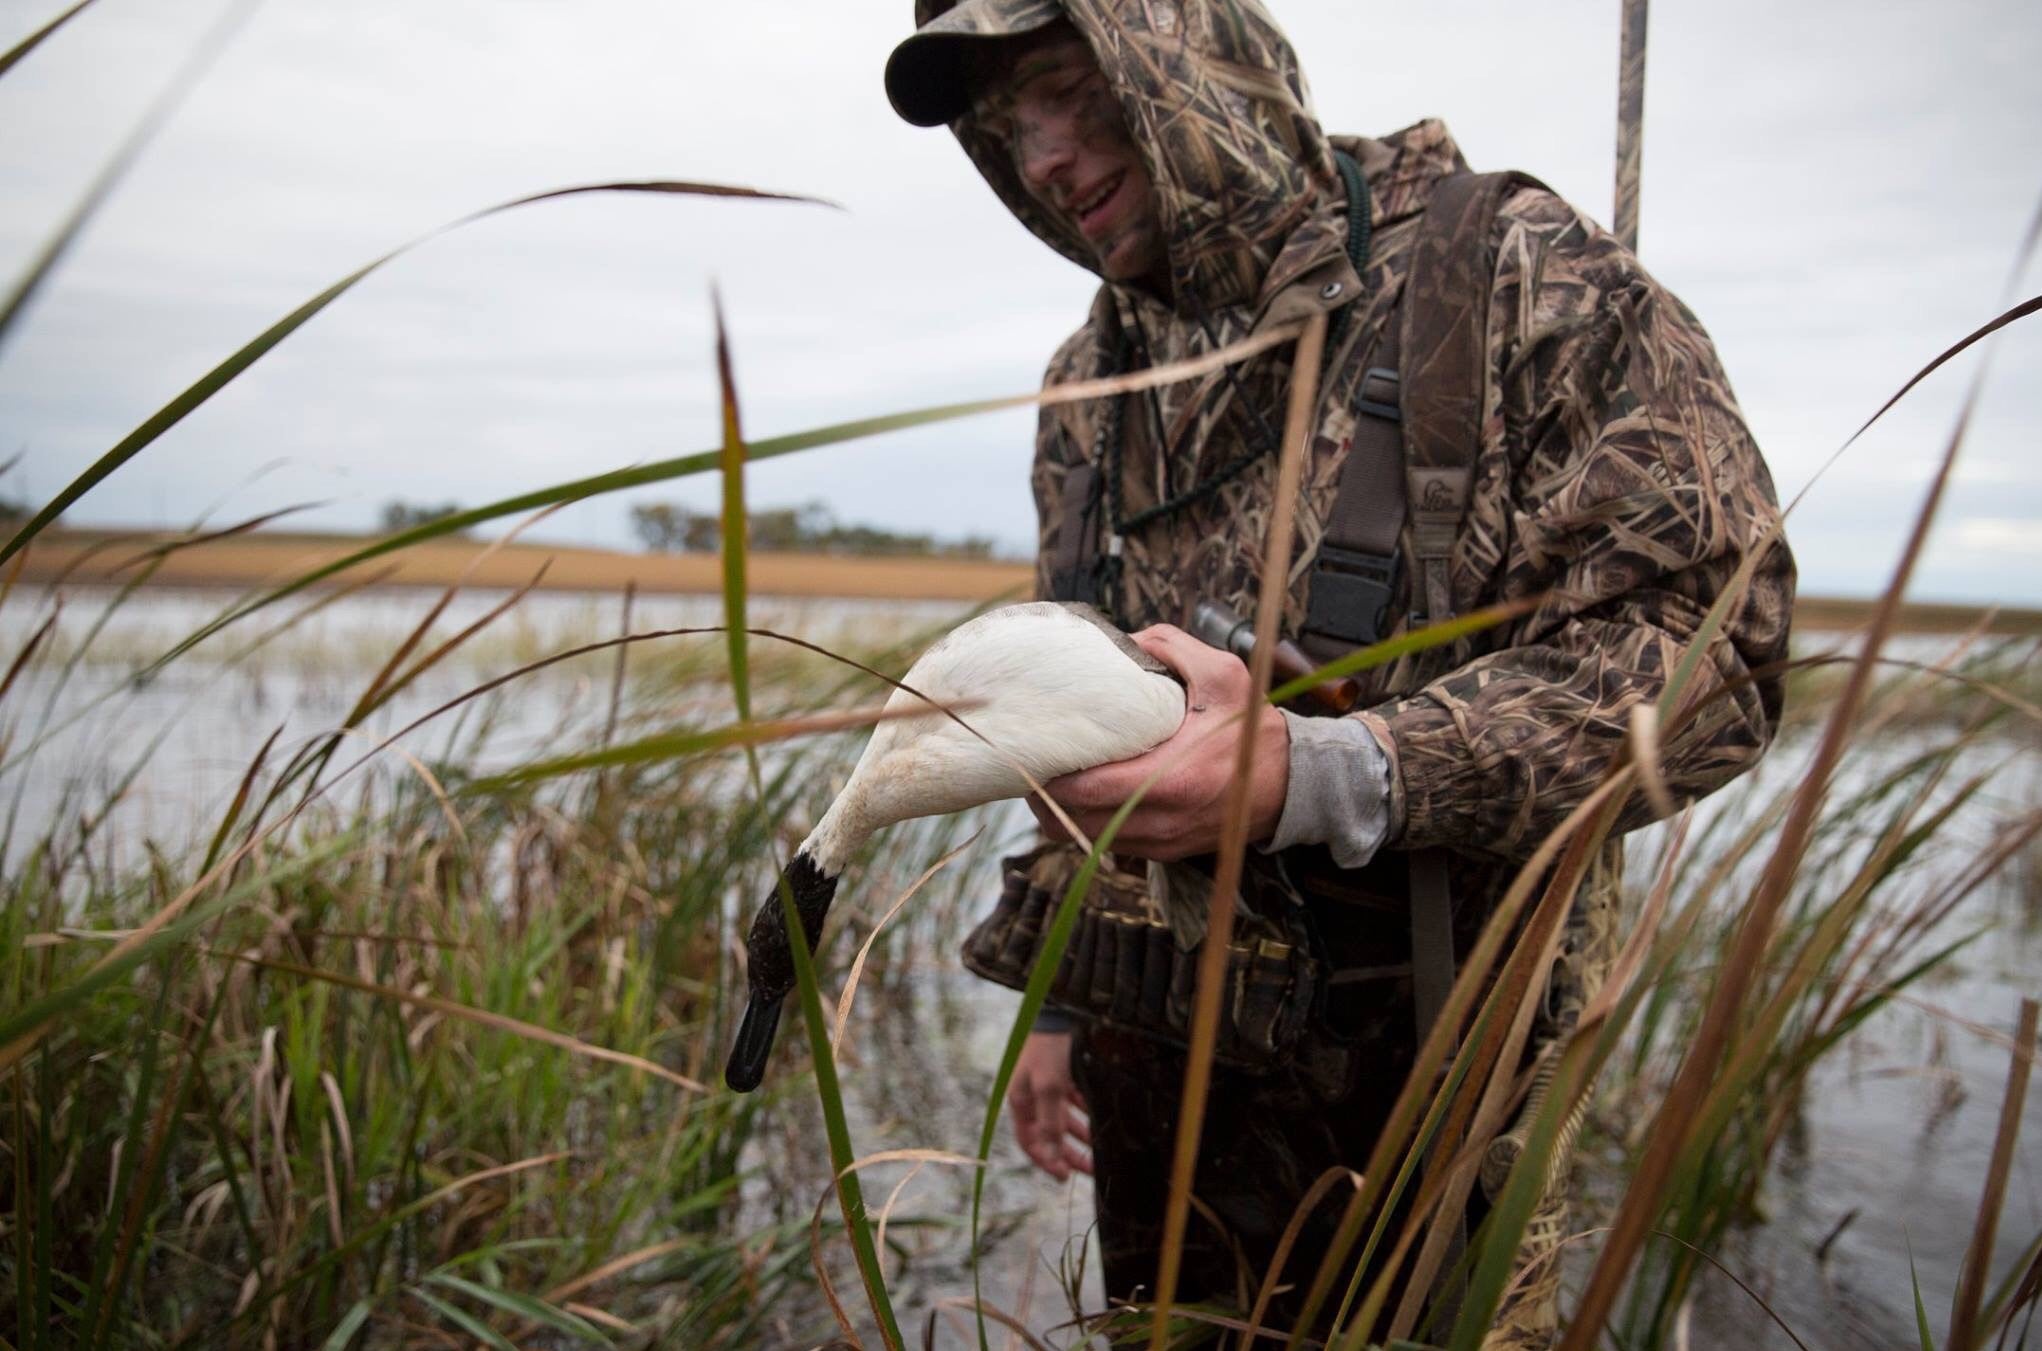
241, 562
117, 557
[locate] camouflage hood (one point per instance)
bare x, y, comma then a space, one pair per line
1213, 95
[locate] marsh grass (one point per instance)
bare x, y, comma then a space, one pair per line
398, 1078
1885, 901
359, 1100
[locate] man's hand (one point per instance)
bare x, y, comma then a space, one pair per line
1049, 1121
1180, 815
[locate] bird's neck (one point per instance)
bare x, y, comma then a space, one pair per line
835, 838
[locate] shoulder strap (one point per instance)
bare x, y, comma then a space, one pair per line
1444, 318
1420, 424
1415, 441
1354, 575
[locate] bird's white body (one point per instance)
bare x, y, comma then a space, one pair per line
1045, 688
1052, 691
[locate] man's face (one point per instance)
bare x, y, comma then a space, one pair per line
1046, 96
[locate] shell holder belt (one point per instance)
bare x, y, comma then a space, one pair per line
1125, 968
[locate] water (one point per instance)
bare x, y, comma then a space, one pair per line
174, 747
1885, 1159
1887, 1156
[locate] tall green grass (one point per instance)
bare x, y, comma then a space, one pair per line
276, 1129
427, 1058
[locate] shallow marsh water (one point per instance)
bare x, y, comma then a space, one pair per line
1885, 1159
174, 745
1887, 1153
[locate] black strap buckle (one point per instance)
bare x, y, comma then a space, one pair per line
1378, 394
1351, 592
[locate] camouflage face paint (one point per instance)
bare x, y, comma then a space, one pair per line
1048, 101
1214, 101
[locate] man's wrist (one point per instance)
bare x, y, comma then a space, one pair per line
1337, 792
1273, 754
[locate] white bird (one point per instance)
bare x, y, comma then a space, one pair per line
1051, 688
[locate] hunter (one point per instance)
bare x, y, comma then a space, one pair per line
1598, 462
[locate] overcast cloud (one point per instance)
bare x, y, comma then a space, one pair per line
1838, 189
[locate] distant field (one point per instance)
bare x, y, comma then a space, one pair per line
116, 556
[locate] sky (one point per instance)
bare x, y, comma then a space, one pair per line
1839, 190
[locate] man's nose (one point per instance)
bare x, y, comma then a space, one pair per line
1048, 148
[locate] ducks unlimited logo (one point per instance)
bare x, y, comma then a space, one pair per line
1440, 490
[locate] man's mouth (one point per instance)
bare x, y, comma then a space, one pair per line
1090, 212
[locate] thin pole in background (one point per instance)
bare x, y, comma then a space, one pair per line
1630, 121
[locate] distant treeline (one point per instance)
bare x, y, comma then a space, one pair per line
669, 527
401, 515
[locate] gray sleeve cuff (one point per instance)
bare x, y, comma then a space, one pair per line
1339, 791
1050, 1018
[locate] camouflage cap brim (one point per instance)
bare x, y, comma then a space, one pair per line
926, 77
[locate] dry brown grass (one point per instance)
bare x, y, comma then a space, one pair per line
114, 557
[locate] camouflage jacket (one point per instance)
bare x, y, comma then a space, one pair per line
1616, 478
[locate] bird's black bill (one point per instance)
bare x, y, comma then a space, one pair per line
771, 967
754, 1044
